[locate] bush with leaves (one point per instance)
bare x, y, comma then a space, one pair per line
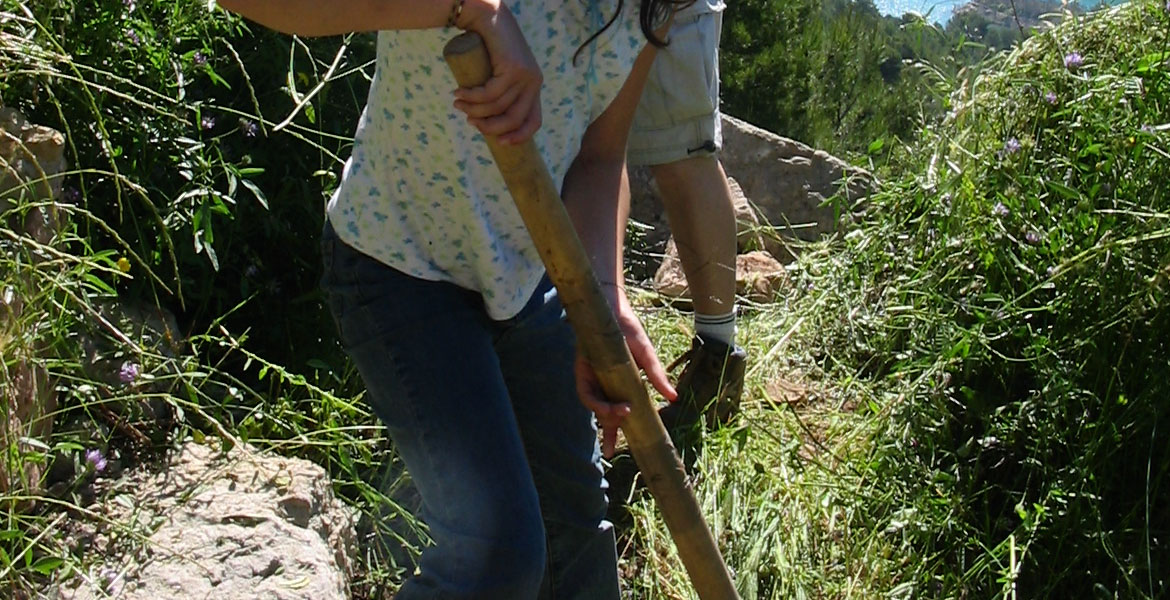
1012, 295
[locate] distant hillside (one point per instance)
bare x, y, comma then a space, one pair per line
1001, 23
1017, 14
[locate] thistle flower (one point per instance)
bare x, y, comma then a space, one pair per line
1011, 146
1073, 60
1000, 210
128, 372
1050, 97
95, 459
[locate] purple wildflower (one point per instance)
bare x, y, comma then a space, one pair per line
1011, 146
128, 373
130, 5
95, 459
1073, 60
72, 195
1032, 237
133, 37
199, 58
249, 128
1000, 210
207, 122
1050, 97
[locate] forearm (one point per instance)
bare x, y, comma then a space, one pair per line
597, 197
316, 18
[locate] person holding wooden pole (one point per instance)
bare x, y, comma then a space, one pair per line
442, 300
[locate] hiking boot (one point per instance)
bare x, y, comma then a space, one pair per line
709, 388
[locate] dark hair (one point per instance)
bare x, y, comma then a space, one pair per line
650, 14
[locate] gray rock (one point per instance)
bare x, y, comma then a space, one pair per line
244, 525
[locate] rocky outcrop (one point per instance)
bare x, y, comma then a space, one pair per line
239, 525
32, 159
783, 191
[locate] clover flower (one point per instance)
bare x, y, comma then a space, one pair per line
95, 459
1073, 60
128, 372
1050, 97
249, 128
1000, 210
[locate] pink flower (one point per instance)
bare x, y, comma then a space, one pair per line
95, 459
128, 373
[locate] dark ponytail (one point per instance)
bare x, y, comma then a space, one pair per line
651, 14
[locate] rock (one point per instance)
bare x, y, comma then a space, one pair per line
758, 276
236, 526
789, 182
32, 159
748, 235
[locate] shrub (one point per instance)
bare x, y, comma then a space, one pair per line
1011, 293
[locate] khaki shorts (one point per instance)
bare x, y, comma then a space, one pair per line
678, 115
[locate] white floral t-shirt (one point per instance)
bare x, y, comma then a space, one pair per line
421, 192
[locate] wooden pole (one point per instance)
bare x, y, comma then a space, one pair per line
599, 336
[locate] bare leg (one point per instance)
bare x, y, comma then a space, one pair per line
702, 220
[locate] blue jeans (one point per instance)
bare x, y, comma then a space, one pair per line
486, 417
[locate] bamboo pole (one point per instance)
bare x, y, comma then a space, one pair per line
599, 336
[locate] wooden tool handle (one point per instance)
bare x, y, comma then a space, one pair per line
599, 336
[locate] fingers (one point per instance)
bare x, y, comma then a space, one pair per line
487, 100
644, 354
609, 415
647, 360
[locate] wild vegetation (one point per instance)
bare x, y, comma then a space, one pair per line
959, 396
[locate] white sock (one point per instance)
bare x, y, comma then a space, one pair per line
716, 327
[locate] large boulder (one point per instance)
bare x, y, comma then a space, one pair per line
238, 525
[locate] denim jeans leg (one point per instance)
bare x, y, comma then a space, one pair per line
536, 350
425, 352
